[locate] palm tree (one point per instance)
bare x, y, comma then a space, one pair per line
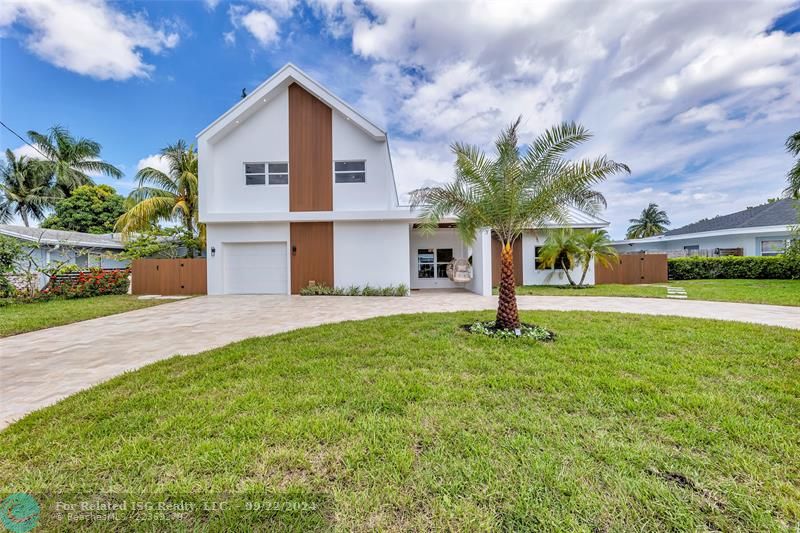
594, 246
25, 188
166, 197
793, 147
653, 221
71, 160
515, 191
561, 250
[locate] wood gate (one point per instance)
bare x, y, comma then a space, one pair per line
168, 276
632, 269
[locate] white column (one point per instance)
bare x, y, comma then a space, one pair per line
482, 264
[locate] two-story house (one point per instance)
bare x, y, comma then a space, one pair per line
296, 187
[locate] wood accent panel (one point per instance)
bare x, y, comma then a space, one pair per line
631, 269
169, 276
517, 249
312, 254
310, 152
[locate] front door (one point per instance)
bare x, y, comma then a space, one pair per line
312, 254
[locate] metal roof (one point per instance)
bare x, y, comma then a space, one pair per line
54, 237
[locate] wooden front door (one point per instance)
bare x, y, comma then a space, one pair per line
312, 254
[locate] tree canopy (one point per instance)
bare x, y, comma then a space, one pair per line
89, 209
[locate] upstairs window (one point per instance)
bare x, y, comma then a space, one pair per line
263, 173
254, 174
278, 173
350, 171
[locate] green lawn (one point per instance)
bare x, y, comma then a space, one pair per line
18, 318
759, 291
624, 423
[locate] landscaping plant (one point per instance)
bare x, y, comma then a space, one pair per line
354, 290
735, 267
516, 190
166, 197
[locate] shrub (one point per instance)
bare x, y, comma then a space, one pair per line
733, 267
354, 290
530, 331
86, 284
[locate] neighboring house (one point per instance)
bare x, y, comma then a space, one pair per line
49, 246
296, 187
762, 230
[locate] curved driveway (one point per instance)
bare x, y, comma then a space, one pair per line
42, 367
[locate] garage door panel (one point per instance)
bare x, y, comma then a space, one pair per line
256, 268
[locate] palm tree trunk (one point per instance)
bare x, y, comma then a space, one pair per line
24, 215
507, 313
566, 271
583, 274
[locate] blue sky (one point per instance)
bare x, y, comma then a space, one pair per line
697, 98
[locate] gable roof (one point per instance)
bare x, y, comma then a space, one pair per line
54, 237
780, 213
279, 81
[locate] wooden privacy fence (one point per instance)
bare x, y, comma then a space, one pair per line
168, 276
632, 269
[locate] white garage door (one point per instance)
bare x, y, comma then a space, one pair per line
255, 268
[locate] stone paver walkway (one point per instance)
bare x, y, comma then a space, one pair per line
39, 368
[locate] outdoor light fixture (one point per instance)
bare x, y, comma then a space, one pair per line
213, 251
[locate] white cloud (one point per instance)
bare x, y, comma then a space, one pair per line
211, 4
89, 37
259, 24
696, 97
154, 161
27, 151
278, 8
229, 37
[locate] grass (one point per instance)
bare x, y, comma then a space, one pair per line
624, 423
757, 291
18, 318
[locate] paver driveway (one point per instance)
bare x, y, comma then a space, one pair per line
41, 367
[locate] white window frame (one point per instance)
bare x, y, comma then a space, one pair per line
266, 173
337, 172
786, 243
436, 261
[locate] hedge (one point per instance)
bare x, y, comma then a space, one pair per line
734, 267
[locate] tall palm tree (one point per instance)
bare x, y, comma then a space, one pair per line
560, 250
793, 147
166, 197
653, 221
25, 188
514, 191
594, 246
71, 160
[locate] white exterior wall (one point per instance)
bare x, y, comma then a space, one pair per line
350, 143
442, 238
749, 242
219, 234
482, 264
374, 253
555, 276
262, 137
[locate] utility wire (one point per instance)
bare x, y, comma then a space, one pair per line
21, 138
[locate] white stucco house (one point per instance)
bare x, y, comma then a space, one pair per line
49, 247
762, 230
297, 187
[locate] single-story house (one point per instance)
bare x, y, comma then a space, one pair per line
297, 188
762, 230
46, 247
